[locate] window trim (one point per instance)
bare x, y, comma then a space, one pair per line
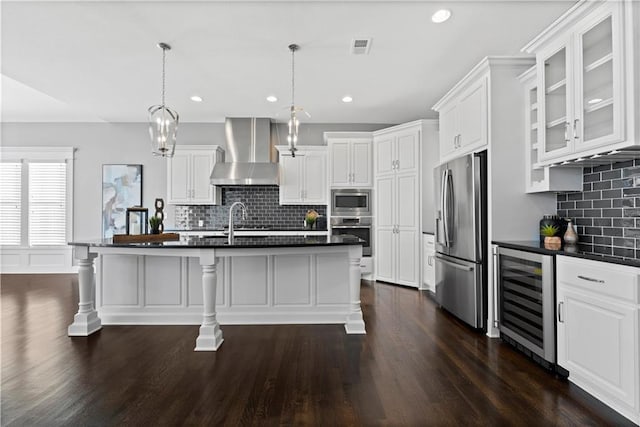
23, 252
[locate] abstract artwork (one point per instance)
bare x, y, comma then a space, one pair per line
121, 189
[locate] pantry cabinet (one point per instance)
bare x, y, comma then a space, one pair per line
598, 330
188, 173
397, 203
587, 97
303, 178
463, 120
350, 159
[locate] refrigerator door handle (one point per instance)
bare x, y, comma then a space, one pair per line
454, 264
443, 205
450, 207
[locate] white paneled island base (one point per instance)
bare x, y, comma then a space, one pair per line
147, 285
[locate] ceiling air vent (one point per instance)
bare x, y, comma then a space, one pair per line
360, 46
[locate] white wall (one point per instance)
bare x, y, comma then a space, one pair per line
103, 143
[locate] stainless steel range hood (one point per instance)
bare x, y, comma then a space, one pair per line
249, 154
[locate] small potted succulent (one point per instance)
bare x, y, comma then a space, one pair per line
154, 223
551, 240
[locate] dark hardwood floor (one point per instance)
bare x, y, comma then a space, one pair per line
416, 366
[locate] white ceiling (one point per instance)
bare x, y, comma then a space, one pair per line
98, 60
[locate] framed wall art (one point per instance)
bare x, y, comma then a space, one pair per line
121, 189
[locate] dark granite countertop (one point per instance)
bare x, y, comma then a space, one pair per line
219, 230
239, 242
573, 251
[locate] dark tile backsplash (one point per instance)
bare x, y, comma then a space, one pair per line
607, 211
263, 210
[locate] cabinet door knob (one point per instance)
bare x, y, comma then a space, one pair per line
566, 132
575, 129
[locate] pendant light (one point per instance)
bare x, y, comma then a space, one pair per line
294, 123
163, 122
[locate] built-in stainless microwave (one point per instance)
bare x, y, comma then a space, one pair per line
351, 202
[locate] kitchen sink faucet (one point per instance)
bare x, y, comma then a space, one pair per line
244, 217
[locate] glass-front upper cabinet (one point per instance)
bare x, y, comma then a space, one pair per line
599, 98
557, 102
582, 78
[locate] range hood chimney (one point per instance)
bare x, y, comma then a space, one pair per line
248, 154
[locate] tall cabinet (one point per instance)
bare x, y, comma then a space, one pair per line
398, 200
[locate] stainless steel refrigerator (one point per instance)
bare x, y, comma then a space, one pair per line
461, 238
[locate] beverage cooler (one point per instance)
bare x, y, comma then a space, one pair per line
526, 300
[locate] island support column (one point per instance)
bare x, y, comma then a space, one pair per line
210, 337
355, 322
86, 320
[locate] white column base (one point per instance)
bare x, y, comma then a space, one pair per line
84, 324
355, 324
210, 338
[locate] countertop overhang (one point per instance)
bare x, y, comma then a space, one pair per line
200, 242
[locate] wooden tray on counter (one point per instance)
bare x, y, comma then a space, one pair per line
145, 238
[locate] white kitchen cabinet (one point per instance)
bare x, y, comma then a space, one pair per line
599, 331
303, 178
188, 173
350, 159
541, 178
397, 203
429, 265
463, 120
588, 97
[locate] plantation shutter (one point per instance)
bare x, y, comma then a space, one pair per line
10, 203
47, 204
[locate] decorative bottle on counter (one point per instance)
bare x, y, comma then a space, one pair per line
570, 236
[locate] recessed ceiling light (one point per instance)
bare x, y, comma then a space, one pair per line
272, 98
441, 16
595, 100
196, 98
347, 99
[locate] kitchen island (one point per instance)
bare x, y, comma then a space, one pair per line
208, 281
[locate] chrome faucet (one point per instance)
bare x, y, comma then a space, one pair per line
244, 217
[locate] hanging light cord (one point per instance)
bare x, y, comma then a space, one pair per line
164, 54
293, 48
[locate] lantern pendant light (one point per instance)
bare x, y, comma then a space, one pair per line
163, 122
294, 123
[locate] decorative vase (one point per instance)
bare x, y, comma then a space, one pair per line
552, 243
155, 230
570, 236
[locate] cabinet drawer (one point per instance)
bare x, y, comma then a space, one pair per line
429, 241
617, 281
366, 265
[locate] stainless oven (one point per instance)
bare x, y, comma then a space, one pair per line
351, 202
355, 226
526, 300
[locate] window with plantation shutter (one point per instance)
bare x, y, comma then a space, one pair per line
10, 203
47, 204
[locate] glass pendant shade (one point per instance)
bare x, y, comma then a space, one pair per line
163, 127
163, 122
294, 124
